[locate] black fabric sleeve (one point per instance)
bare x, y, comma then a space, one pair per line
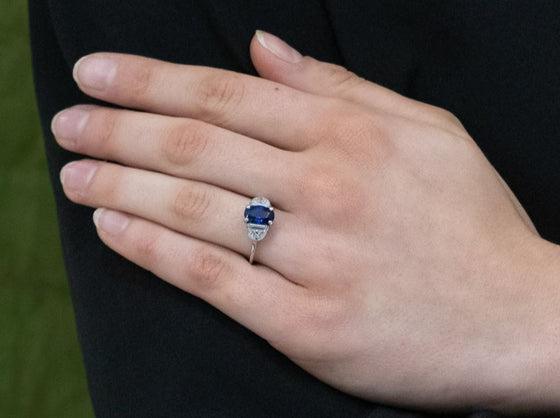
151, 350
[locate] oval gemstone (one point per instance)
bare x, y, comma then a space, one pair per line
260, 215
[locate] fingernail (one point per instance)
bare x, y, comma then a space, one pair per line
77, 174
278, 47
110, 221
68, 124
94, 71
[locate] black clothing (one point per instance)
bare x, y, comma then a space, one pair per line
153, 351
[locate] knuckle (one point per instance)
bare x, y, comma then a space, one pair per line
191, 203
147, 251
106, 124
448, 120
322, 183
207, 270
140, 81
447, 116
340, 78
341, 122
103, 188
357, 130
334, 191
219, 94
183, 143
356, 134
375, 144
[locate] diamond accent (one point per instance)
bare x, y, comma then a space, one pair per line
256, 232
260, 201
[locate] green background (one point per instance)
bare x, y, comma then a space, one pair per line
41, 371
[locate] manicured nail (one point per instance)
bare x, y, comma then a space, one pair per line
68, 124
278, 47
77, 175
110, 221
94, 71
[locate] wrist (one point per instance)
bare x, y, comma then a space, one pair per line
529, 379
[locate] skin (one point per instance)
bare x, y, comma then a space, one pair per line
400, 267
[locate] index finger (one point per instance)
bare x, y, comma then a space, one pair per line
259, 108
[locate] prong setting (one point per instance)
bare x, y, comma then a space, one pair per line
258, 216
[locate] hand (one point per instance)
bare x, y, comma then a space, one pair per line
400, 268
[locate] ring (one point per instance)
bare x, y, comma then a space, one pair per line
258, 215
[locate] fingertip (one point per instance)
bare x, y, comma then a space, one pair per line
267, 63
96, 215
68, 125
276, 46
95, 71
54, 121
110, 221
76, 67
259, 36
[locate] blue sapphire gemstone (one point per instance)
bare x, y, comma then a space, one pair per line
260, 215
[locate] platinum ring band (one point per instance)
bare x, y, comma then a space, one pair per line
253, 249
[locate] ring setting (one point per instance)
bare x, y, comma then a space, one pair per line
258, 215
